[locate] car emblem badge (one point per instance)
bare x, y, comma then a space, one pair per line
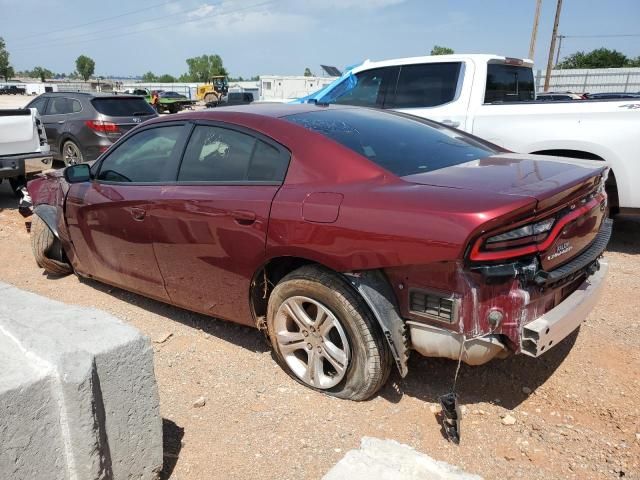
561, 249
137, 120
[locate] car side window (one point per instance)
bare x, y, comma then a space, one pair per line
59, 106
39, 104
146, 157
76, 106
217, 154
368, 91
426, 85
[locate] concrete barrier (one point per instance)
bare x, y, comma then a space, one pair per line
78, 397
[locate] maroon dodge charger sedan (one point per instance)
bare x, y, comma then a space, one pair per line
350, 236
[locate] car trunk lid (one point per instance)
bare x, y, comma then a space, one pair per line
125, 112
567, 190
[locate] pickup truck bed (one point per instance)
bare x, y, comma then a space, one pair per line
22, 138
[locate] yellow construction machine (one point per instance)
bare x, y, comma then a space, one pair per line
213, 90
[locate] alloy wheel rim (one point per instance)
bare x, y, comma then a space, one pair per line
312, 341
71, 154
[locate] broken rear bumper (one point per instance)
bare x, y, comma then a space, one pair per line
543, 333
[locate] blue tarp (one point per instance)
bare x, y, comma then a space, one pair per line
335, 89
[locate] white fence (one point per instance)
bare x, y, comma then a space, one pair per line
593, 80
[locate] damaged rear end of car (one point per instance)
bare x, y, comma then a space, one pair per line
527, 279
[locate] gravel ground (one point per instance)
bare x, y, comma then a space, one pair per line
230, 412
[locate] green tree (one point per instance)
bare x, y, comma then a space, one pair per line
6, 70
166, 78
85, 67
598, 58
307, 72
202, 68
633, 62
438, 50
41, 73
149, 77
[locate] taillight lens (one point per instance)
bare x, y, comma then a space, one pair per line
101, 126
531, 230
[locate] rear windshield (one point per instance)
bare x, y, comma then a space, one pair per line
122, 107
400, 144
507, 83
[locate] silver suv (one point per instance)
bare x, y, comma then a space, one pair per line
81, 126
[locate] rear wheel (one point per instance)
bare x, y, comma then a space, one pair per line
71, 153
324, 335
43, 241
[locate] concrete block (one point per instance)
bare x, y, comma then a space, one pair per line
78, 397
389, 460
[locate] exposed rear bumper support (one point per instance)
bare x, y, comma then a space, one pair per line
542, 334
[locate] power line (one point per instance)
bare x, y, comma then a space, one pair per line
110, 29
613, 35
100, 20
194, 20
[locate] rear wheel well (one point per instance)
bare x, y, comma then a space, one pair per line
266, 279
611, 186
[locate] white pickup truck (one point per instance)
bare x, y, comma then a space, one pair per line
22, 138
493, 97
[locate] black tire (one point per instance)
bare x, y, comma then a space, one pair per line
17, 183
42, 241
78, 156
370, 359
210, 97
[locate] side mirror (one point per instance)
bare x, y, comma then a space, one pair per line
77, 173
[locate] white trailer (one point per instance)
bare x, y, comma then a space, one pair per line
277, 88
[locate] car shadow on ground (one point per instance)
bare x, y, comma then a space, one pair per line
243, 336
171, 445
626, 235
499, 381
8, 201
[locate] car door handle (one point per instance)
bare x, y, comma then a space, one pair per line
138, 214
244, 217
60, 121
451, 123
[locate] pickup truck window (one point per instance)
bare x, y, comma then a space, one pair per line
400, 144
426, 85
368, 90
507, 83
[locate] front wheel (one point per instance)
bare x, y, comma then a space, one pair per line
324, 335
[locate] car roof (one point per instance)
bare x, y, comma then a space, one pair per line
89, 95
274, 110
480, 58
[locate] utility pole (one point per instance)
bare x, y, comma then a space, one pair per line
560, 37
552, 47
534, 31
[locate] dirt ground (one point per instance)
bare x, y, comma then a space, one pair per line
576, 408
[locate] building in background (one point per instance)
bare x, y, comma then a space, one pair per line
276, 88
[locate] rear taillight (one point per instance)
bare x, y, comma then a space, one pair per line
104, 127
528, 239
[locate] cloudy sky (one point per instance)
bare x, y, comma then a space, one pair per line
285, 36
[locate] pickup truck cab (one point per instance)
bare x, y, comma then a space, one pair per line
22, 137
493, 97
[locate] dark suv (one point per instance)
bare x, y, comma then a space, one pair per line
80, 126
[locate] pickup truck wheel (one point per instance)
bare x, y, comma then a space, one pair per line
17, 183
71, 153
324, 335
42, 241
